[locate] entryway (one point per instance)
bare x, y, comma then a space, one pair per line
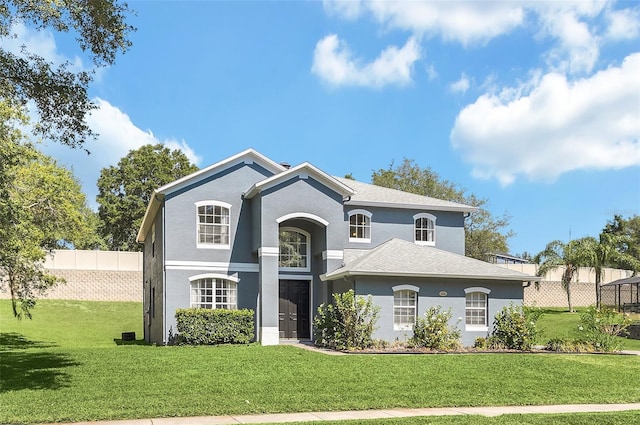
294, 317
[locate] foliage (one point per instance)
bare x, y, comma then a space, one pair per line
201, 326
514, 327
42, 207
433, 330
569, 345
64, 366
59, 93
125, 191
484, 233
347, 324
569, 256
601, 326
628, 230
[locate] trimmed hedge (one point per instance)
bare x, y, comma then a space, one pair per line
201, 326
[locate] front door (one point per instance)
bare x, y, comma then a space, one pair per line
294, 309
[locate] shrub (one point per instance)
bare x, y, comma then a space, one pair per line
566, 345
601, 327
201, 326
347, 324
514, 328
433, 331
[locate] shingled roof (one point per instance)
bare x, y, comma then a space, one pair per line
397, 257
372, 195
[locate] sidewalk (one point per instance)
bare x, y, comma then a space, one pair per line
373, 414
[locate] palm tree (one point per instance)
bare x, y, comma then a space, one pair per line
570, 256
605, 253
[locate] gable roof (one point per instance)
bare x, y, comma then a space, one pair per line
303, 170
248, 156
377, 196
401, 258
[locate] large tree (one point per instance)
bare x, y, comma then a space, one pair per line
57, 91
569, 257
628, 232
43, 209
125, 191
484, 232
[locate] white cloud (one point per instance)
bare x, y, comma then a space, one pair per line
623, 24
461, 86
117, 136
550, 126
334, 63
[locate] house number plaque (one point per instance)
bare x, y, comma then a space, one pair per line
442, 293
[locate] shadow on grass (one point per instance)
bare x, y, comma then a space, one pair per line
119, 341
22, 369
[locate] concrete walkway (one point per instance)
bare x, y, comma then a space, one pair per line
373, 414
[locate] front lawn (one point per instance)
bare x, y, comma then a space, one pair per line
64, 366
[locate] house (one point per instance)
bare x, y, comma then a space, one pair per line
248, 232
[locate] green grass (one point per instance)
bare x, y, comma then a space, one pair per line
618, 418
559, 323
64, 366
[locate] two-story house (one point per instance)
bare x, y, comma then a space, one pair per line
248, 232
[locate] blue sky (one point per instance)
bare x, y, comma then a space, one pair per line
533, 105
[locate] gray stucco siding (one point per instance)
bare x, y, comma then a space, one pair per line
502, 294
387, 223
180, 210
153, 282
178, 292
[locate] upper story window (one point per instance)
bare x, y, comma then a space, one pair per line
294, 246
359, 226
213, 224
425, 229
476, 311
214, 293
405, 306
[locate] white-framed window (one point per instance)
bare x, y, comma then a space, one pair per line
214, 293
476, 309
294, 248
213, 224
425, 229
359, 226
405, 307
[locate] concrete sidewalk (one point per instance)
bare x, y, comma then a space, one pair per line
373, 414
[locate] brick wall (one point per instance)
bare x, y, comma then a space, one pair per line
95, 276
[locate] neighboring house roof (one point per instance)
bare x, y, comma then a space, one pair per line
247, 156
303, 170
397, 257
377, 196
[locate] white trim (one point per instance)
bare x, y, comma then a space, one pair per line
366, 214
284, 276
410, 206
435, 235
477, 289
268, 251
308, 253
308, 216
211, 266
331, 276
202, 245
425, 215
269, 335
405, 288
333, 254
232, 278
476, 328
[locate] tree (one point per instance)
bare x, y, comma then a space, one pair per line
124, 191
58, 93
43, 209
629, 232
484, 233
569, 256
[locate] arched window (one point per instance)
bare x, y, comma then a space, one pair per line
359, 226
476, 308
425, 229
213, 226
294, 247
214, 293
405, 306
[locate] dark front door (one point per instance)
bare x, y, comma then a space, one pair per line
294, 309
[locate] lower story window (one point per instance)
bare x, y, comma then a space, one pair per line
404, 309
476, 309
214, 293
